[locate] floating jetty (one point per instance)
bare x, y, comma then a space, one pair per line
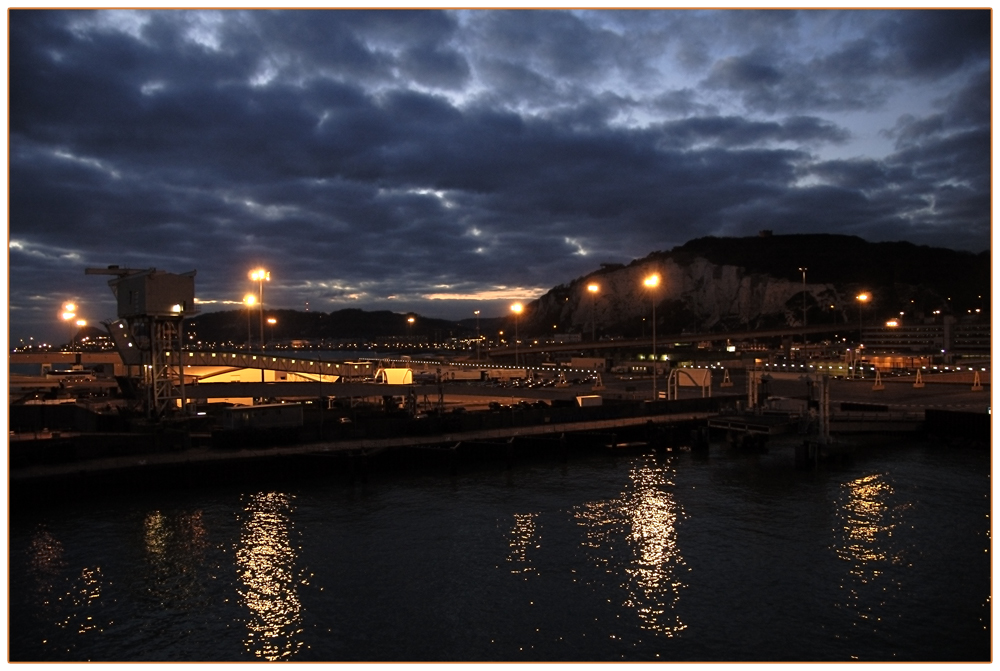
191, 465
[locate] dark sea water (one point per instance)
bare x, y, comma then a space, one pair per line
670, 557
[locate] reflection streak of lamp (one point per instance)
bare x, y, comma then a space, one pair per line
175, 547
265, 560
867, 523
865, 526
46, 562
647, 516
76, 608
522, 537
155, 534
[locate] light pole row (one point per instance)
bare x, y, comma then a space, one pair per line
69, 316
651, 282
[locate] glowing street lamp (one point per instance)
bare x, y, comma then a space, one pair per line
260, 276
68, 315
862, 298
249, 300
477, 334
593, 289
803, 269
516, 308
80, 323
271, 322
652, 282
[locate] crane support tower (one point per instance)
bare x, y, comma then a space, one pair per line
148, 332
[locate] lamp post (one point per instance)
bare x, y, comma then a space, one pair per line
68, 314
80, 323
249, 300
260, 276
477, 335
516, 308
803, 269
271, 321
593, 289
652, 282
863, 298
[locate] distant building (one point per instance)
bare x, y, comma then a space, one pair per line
948, 338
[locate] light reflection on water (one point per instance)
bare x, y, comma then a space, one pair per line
867, 516
646, 514
175, 547
694, 560
522, 538
72, 602
46, 562
265, 561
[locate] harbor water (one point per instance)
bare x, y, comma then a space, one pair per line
640, 556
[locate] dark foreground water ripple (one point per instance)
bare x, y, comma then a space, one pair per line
647, 557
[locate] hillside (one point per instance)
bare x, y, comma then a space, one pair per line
231, 326
707, 284
728, 284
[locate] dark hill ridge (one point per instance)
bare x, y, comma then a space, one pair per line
231, 326
846, 259
709, 284
724, 284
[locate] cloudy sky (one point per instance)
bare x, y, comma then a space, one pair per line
447, 161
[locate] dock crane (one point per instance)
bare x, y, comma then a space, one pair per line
148, 332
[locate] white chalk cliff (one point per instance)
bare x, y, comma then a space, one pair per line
719, 297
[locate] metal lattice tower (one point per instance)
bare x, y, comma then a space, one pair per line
148, 333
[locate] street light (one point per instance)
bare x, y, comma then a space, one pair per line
516, 308
68, 314
652, 282
249, 300
271, 322
862, 298
803, 304
80, 323
593, 289
260, 276
477, 334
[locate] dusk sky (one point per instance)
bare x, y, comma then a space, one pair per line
448, 161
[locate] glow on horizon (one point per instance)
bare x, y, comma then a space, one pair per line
503, 293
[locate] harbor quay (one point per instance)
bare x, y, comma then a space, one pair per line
460, 423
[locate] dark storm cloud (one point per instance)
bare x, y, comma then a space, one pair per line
557, 42
740, 132
861, 72
766, 82
376, 158
934, 43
